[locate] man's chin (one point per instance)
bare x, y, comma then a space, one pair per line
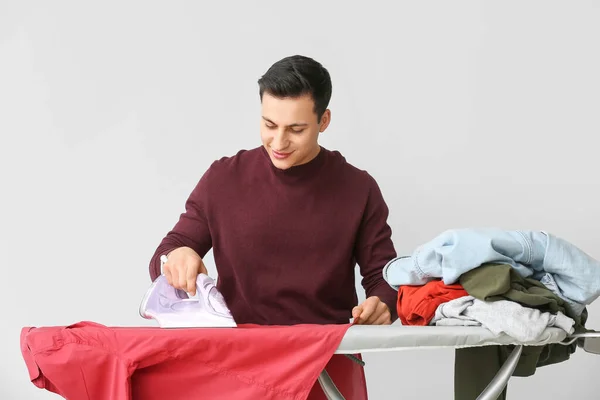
281, 164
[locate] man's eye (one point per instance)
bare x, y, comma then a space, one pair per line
297, 130
270, 126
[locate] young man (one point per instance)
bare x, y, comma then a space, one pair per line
289, 220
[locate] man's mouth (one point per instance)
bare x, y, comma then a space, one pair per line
280, 155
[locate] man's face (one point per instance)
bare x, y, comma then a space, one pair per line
290, 129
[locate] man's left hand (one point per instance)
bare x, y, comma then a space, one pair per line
372, 312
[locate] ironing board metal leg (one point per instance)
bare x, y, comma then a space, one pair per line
497, 385
331, 391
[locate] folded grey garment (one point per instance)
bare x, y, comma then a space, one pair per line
503, 316
457, 322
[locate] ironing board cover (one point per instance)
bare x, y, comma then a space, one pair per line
92, 361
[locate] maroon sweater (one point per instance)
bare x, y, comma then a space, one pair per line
286, 242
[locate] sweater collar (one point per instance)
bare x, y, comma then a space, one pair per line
306, 169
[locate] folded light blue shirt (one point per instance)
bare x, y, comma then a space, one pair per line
531, 253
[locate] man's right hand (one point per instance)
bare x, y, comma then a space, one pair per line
182, 268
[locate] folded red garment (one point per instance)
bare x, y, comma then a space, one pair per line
416, 305
92, 361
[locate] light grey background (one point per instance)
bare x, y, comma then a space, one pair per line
467, 113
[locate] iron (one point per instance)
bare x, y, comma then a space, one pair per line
174, 308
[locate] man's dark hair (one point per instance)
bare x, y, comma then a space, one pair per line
295, 76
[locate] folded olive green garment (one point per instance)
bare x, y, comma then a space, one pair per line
492, 282
474, 367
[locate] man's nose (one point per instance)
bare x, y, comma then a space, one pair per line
280, 141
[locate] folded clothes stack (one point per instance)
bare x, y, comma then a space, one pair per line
494, 296
508, 281
495, 277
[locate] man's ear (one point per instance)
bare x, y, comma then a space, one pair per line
325, 120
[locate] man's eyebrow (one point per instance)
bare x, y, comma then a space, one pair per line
297, 124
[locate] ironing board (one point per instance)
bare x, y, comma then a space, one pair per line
163, 303
371, 338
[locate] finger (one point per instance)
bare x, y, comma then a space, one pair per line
356, 311
175, 278
182, 278
384, 319
373, 317
368, 309
380, 308
203, 269
191, 281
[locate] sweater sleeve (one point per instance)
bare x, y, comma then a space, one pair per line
374, 248
191, 230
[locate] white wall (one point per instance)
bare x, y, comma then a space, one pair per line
467, 113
